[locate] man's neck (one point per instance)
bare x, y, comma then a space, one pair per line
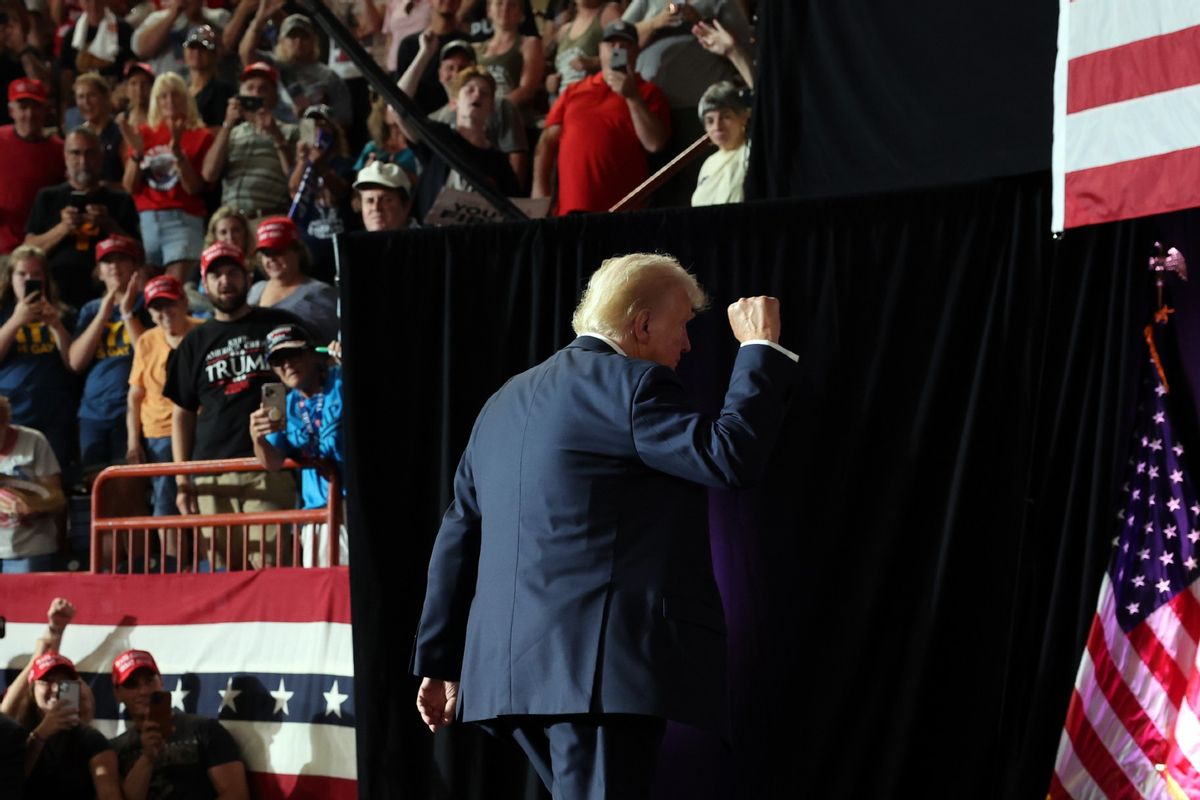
197, 79
231, 316
82, 187
99, 123
476, 136
40, 136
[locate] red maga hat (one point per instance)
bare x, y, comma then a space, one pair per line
130, 662
119, 245
218, 251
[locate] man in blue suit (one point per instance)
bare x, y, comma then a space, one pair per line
571, 602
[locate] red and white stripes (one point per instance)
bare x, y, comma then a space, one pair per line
1126, 110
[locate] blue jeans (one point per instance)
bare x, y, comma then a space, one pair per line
50, 562
158, 451
101, 442
170, 236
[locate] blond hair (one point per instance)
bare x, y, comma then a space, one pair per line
171, 82
95, 80
625, 285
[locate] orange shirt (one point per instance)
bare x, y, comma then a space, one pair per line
149, 372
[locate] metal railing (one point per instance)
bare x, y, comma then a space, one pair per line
214, 541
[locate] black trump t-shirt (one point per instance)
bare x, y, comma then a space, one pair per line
181, 772
63, 767
218, 370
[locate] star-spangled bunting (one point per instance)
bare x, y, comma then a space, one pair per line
1132, 729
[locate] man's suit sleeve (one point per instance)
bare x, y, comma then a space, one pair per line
453, 566
728, 451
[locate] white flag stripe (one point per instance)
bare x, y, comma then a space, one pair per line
1169, 629
1103, 24
1187, 732
1058, 147
1111, 732
296, 748
321, 648
1138, 128
1075, 779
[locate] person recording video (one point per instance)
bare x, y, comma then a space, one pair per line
252, 154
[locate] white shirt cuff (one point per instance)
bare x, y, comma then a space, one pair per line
784, 350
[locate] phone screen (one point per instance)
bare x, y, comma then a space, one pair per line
250, 103
33, 285
620, 59
160, 713
68, 693
79, 200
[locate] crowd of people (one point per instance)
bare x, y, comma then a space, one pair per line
50, 748
176, 170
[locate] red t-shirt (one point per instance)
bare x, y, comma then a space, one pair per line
161, 187
26, 167
600, 159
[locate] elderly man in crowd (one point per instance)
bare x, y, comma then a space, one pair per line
571, 588
307, 81
70, 219
29, 159
220, 367
600, 129
252, 153
385, 195
194, 757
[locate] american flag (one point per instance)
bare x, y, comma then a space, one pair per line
268, 653
1126, 110
1132, 727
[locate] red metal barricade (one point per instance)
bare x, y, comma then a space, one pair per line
131, 537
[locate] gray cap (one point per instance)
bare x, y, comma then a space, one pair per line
297, 21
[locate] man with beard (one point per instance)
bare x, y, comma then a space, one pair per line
220, 367
68, 220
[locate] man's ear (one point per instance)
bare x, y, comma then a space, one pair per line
641, 325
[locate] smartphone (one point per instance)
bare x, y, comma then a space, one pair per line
160, 713
620, 59
250, 103
68, 694
33, 285
79, 200
274, 400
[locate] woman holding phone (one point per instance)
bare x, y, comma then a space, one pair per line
63, 756
34, 342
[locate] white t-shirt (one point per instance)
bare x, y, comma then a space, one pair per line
29, 459
721, 177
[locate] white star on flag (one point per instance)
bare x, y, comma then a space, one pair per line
228, 696
282, 696
1190, 563
1144, 555
1139, 581
1159, 390
1164, 585
1173, 504
178, 695
1153, 471
1167, 558
1141, 466
1178, 449
1177, 476
1160, 418
1148, 527
1132, 608
1156, 445
1137, 493
1194, 536
1169, 531
334, 700
1196, 508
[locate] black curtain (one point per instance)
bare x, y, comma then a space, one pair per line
857, 96
908, 592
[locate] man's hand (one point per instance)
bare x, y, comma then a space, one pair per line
622, 82
60, 614
185, 499
755, 318
58, 717
152, 740
70, 217
714, 38
133, 290
233, 112
436, 700
135, 453
427, 41
98, 215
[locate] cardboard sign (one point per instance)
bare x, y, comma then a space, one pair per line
453, 207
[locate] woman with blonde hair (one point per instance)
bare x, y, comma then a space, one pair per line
227, 224
162, 174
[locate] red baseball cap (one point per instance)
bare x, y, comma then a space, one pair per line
47, 663
27, 89
275, 233
130, 662
218, 251
164, 286
261, 68
119, 245
139, 65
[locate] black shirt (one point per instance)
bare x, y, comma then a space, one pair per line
430, 94
73, 260
221, 367
213, 100
181, 772
62, 770
490, 162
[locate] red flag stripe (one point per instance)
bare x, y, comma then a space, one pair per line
1057, 790
1172, 629
1187, 608
1147, 66
1094, 756
1142, 186
1145, 731
1160, 662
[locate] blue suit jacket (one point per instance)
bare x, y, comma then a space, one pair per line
572, 573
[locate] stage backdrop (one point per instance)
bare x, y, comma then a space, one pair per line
908, 591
